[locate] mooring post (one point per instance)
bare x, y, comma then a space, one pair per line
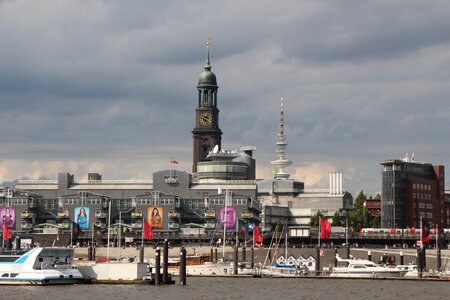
335, 258
369, 255
157, 266
438, 258
211, 259
183, 266
17, 243
419, 262
215, 255
141, 254
90, 252
424, 258
402, 258
347, 248
317, 261
252, 254
166, 262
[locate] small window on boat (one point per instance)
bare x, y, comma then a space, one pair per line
41, 259
13, 275
5, 275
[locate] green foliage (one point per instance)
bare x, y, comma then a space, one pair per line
314, 220
336, 220
276, 227
360, 216
376, 222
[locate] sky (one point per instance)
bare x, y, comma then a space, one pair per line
110, 86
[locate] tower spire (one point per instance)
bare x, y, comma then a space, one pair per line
281, 144
207, 65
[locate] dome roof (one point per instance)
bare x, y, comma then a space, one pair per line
207, 77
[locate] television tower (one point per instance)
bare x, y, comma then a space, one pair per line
281, 162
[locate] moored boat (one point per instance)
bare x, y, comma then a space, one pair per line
361, 268
39, 266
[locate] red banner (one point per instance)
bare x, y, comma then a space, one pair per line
325, 232
148, 231
257, 235
7, 234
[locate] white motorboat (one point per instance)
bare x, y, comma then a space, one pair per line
361, 268
39, 266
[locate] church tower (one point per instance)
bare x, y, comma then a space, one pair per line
206, 133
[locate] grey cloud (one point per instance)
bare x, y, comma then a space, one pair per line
116, 82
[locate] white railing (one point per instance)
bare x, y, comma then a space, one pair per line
131, 181
37, 181
316, 191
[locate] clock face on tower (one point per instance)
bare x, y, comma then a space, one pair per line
205, 118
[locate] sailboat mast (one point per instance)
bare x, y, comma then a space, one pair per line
224, 220
109, 227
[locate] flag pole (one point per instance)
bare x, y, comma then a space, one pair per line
109, 227
318, 241
436, 235
421, 234
253, 236
143, 229
224, 220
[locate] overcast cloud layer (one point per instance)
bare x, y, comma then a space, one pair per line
110, 86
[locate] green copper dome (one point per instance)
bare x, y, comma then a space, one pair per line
207, 77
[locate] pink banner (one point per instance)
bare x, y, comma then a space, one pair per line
228, 217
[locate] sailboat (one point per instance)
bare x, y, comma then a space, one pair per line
201, 264
282, 266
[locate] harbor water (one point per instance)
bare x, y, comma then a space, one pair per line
242, 288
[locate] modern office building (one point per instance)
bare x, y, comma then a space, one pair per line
411, 191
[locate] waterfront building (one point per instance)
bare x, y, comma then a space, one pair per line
447, 208
411, 191
176, 203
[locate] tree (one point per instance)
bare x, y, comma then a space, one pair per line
336, 220
314, 220
376, 222
359, 218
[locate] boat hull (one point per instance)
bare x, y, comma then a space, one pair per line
39, 282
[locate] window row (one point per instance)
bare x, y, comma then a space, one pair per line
151, 201
421, 186
421, 196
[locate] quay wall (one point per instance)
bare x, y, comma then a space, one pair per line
261, 254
